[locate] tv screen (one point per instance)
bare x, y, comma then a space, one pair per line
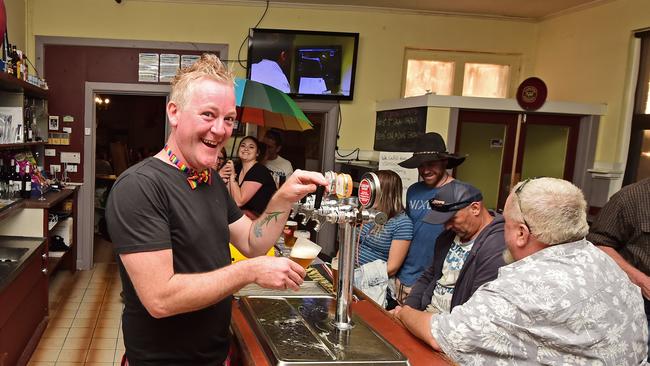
304, 64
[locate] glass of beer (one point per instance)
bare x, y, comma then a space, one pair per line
289, 229
304, 252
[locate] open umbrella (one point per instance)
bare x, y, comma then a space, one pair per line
267, 106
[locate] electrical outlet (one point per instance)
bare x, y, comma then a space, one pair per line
71, 157
55, 168
71, 168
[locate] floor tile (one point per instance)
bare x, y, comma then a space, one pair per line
72, 355
105, 332
38, 363
49, 355
81, 332
101, 355
76, 343
51, 343
54, 332
104, 343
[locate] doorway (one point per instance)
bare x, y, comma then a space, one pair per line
504, 148
129, 128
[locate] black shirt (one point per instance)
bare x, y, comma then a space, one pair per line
260, 174
624, 224
152, 207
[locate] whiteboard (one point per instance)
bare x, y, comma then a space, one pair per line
390, 160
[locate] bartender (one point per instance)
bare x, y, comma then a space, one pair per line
171, 222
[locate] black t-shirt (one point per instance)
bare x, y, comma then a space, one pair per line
260, 174
152, 207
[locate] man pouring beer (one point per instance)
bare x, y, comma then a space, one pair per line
171, 222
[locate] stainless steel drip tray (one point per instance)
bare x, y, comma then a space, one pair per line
299, 331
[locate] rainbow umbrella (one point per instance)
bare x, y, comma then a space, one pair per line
267, 106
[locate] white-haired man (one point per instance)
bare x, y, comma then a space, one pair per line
560, 301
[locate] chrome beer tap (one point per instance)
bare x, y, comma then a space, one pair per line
351, 212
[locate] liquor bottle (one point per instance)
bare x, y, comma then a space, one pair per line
26, 184
14, 180
28, 113
14, 57
4, 180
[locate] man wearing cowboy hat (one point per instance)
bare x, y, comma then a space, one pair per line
432, 161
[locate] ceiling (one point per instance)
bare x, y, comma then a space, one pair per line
520, 9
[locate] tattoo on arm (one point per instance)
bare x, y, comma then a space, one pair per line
257, 229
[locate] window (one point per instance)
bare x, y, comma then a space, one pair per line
460, 73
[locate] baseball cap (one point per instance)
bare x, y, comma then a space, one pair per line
450, 198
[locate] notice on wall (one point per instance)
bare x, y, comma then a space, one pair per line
148, 68
390, 161
169, 64
189, 60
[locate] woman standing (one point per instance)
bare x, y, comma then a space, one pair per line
252, 186
382, 248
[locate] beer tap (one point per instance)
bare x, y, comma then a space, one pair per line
351, 212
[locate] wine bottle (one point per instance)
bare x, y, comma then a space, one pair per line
26, 184
14, 180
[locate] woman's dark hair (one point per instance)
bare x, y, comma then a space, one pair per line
261, 148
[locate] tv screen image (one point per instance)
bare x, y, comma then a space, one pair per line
304, 64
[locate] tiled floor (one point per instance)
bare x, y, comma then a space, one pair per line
85, 316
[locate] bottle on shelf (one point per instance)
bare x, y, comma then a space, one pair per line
26, 184
4, 180
28, 115
15, 182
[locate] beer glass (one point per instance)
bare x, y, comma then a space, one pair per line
304, 252
289, 229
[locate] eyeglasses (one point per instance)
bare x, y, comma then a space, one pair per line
517, 193
442, 207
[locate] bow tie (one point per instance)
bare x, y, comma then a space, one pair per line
195, 179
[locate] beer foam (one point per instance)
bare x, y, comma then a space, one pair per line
305, 248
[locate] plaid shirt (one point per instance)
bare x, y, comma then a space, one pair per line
624, 224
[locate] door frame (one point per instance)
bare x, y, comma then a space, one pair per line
87, 189
582, 135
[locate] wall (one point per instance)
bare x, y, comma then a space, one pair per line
585, 57
16, 22
383, 37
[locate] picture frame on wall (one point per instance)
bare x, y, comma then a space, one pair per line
53, 124
11, 125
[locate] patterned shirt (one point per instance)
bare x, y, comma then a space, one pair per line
568, 304
376, 245
444, 290
624, 224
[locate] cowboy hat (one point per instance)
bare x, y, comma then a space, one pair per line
431, 147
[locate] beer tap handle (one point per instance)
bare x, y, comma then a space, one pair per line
319, 197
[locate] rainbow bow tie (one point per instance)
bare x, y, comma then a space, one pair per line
195, 179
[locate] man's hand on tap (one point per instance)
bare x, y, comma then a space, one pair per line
299, 184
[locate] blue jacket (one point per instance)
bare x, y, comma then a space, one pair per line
481, 266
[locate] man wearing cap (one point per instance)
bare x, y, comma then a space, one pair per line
432, 161
468, 253
560, 301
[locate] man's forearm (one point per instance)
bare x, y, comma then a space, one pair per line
418, 323
267, 228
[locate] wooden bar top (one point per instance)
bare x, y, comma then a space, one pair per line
417, 352
51, 198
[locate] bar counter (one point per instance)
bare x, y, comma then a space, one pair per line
249, 350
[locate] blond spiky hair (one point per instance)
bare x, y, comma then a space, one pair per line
208, 66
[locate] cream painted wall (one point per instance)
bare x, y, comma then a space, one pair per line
16, 22
585, 57
383, 37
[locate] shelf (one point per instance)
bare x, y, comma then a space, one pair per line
13, 84
21, 145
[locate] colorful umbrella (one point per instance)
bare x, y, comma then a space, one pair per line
267, 106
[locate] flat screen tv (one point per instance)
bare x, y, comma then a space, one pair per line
304, 64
